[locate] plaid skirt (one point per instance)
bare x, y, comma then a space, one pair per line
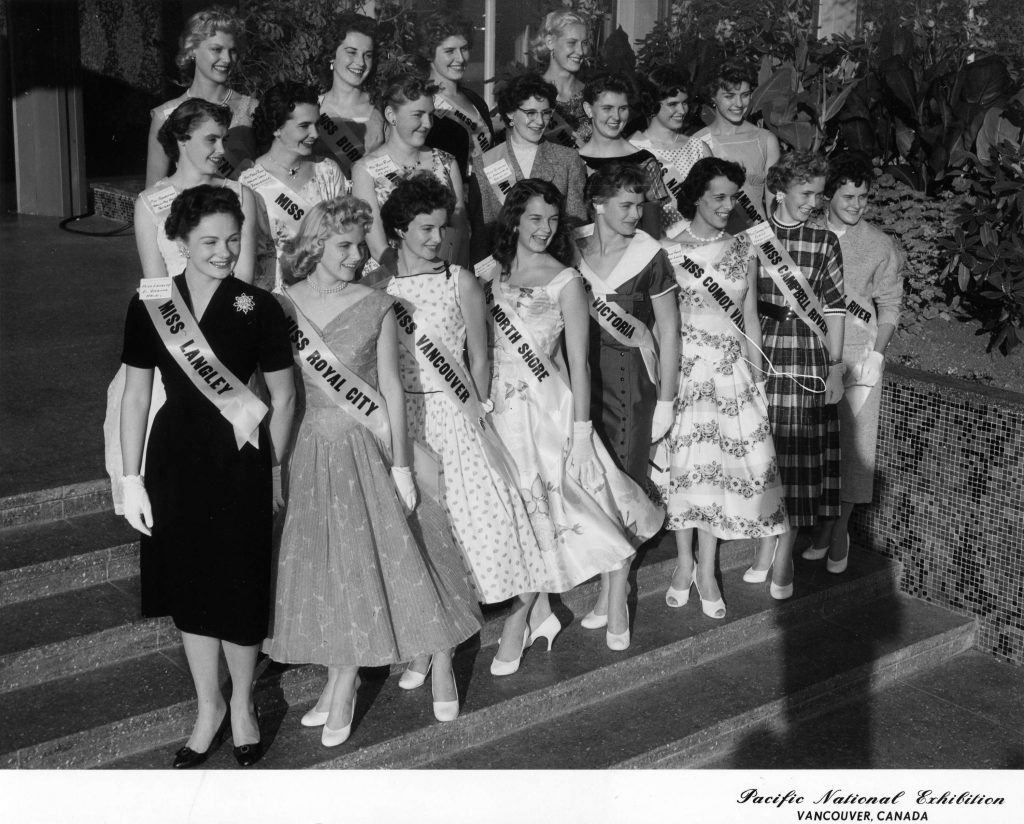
804, 428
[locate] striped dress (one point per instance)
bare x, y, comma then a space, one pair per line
805, 429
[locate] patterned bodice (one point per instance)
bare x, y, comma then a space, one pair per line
440, 167
538, 309
436, 299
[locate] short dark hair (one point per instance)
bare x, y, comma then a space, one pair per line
511, 95
506, 229
697, 181
609, 82
192, 205
849, 167
418, 194
615, 177
185, 119
276, 106
795, 166
731, 76
343, 25
437, 27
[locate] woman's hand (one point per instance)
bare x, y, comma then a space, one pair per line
664, 416
582, 463
406, 486
834, 383
871, 369
137, 509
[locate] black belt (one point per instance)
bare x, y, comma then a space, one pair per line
778, 313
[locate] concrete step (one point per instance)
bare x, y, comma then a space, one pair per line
54, 503
43, 559
698, 709
396, 729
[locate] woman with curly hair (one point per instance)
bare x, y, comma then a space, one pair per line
873, 281
588, 515
207, 54
362, 581
805, 357
445, 404
607, 101
723, 478
350, 125
732, 137
666, 92
563, 44
406, 100
289, 177
204, 506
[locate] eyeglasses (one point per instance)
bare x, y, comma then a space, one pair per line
534, 114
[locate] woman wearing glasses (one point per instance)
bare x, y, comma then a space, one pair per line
526, 104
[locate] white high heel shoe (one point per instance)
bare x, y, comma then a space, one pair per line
548, 629
838, 567
680, 597
759, 576
779, 592
332, 738
448, 710
712, 609
499, 667
594, 621
411, 679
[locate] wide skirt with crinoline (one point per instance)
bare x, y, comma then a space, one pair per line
360, 583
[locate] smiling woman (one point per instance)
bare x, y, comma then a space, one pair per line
207, 57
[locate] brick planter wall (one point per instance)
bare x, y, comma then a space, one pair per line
949, 502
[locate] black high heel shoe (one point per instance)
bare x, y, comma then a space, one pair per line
187, 757
248, 754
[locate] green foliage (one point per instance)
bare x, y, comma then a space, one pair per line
986, 251
919, 223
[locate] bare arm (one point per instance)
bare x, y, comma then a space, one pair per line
460, 221
573, 302
471, 295
772, 154
138, 389
157, 163
752, 324
281, 385
245, 266
145, 241
390, 385
362, 187
666, 317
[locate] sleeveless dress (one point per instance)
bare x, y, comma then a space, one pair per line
358, 581
208, 562
724, 477
489, 519
582, 531
161, 194
280, 211
750, 150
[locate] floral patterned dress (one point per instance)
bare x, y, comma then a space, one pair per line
724, 477
489, 519
582, 532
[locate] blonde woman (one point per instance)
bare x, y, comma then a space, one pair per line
563, 44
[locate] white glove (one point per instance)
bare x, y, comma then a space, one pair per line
664, 417
871, 369
277, 497
582, 463
834, 383
406, 486
488, 405
137, 509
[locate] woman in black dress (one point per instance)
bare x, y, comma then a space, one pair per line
207, 515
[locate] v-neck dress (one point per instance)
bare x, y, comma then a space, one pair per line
359, 583
208, 561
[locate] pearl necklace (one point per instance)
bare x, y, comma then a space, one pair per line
719, 236
327, 290
224, 102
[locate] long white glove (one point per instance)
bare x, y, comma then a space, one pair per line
664, 416
871, 369
277, 497
137, 509
582, 463
406, 486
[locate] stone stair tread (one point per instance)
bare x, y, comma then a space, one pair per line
965, 713
77, 704
34, 544
388, 718
656, 714
68, 615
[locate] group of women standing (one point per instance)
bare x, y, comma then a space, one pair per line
471, 351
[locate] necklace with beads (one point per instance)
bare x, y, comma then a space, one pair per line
341, 286
712, 239
224, 102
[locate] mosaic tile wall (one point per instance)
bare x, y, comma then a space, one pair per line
949, 502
